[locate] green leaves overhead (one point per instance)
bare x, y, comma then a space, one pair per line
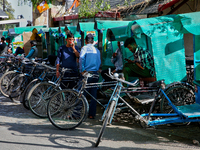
89, 8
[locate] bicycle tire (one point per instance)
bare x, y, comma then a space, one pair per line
17, 86
39, 96
179, 95
5, 81
107, 118
24, 97
66, 111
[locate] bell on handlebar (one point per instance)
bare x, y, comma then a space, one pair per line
116, 75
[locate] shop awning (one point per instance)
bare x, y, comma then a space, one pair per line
3, 14
12, 21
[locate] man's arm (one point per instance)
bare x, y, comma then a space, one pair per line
57, 70
76, 52
58, 59
82, 61
30, 53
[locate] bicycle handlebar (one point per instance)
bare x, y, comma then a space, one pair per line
115, 76
89, 75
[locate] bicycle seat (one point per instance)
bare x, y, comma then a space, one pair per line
156, 83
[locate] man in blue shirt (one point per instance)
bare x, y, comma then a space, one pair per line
66, 57
90, 61
33, 51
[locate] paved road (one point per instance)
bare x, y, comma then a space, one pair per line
21, 130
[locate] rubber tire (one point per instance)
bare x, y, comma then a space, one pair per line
18, 84
34, 92
107, 118
10, 75
63, 114
189, 99
24, 97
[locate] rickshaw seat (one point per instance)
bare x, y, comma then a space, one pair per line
148, 79
144, 81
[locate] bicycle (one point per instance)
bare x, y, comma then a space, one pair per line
41, 93
145, 119
68, 108
48, 74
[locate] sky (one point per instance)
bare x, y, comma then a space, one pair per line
24, 10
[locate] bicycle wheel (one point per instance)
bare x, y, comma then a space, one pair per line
39, 97
17, 86
5, 81
66, 111
107, 118
24, 98
179, 95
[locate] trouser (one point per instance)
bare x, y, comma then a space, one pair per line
131, 69
93, 92
66, 82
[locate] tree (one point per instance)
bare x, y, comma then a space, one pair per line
9, 11
34, 3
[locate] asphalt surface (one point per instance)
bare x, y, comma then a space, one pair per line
22, 130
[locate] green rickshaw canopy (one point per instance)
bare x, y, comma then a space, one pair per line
166, 44
20, 30
105, 24
85, 26
188, 23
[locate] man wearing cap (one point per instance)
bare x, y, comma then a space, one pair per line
66, 57
90, 61
33, 51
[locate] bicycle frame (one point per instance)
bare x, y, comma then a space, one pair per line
179, 115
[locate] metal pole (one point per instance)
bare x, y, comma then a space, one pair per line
47, 18
3, 5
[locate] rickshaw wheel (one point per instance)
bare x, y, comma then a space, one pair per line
179, 95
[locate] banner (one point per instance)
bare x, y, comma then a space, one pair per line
75, 4
44, 6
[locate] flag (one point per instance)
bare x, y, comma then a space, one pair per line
75, 4
44, 6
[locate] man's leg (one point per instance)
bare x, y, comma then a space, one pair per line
131, 69
93, 103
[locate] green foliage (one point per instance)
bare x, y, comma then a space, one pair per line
9, 11
35, 3
89, 9
127, 2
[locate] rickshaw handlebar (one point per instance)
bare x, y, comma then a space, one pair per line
115, 76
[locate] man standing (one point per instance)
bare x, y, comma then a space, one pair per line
117, 61
3, 46
66, 57
90, 61
142, 65
9, 46
33, 51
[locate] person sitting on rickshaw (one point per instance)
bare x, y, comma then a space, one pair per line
118, 63
143, 63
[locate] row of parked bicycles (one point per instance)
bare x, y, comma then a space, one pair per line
34, 84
